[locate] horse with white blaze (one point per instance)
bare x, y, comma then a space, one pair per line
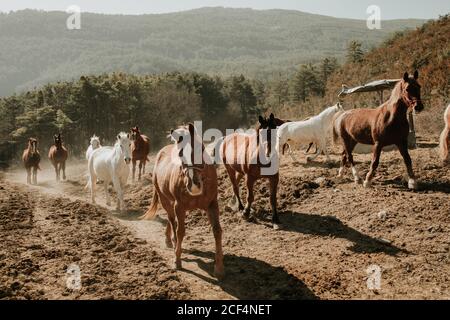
313, 130
111, 164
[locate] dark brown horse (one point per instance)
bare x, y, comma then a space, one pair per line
140, 148
58, 155
31, 159
180, 185
380, 127
240, 153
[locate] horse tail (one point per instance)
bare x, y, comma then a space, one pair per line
336, 127
151, 212
90, 170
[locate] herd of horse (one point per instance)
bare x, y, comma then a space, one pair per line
182, 184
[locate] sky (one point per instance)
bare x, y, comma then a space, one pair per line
355, 9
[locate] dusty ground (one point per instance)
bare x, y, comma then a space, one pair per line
332, 233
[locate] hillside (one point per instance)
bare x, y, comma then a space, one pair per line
426, 49
37, 48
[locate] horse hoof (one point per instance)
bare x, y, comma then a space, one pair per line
367, 184
277, 226
308, 159
178, 265
412, 184
219, 273
169, 244
359, 181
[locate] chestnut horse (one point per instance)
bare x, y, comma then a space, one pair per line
182, 184
444, 141
380, 127
31, 159
140, 148
58, 155
240, 153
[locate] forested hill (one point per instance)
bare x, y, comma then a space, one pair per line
426, 49
36, 47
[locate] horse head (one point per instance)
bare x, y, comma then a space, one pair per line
135, 133
410, 92
58, 140
124, 143
188, 143
32, 145
95, 142
265, 129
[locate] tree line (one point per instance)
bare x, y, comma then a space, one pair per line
108, 103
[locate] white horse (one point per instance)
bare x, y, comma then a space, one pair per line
111, 164
316, 129
95, 144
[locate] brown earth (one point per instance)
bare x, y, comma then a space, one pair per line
333, 231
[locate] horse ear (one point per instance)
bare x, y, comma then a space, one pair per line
118, 137
191, 129
416, 75
261, 120
128, 135
406, 76
272, 117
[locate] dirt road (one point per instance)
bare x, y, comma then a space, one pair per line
334, 231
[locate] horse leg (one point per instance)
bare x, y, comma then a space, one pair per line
273, 181
213, 217
309, 147
57, 170
134, 169
35, 175
318, 151
93, 178
181, 214
344, 162
325, 150
119, 191
250, 182
403, 148
63, 167
29, 175
349, 146
171, 236
374, 165
235, 184
291, 154
140, 170
107, 197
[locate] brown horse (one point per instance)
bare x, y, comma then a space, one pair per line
444, 141
180, 185
240, 153
140, 148
383, 126
31, 159
58, 155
